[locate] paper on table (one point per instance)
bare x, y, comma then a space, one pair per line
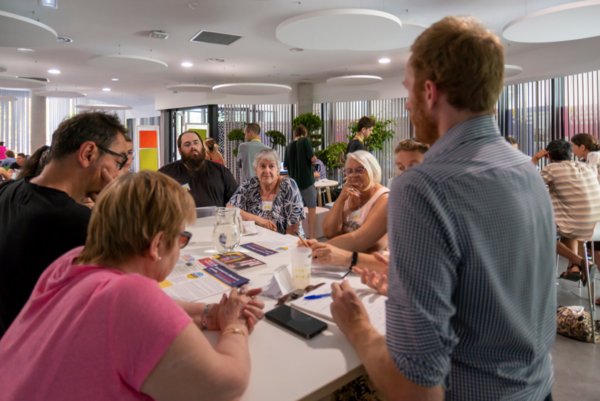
374, 303
249, 228
279, 243
330, 271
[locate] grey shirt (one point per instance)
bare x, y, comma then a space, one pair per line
245, 157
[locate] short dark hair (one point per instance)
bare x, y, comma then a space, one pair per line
188, 132
300, 130
98, 127
559, 150
10, 153
254, 128
21, 154
365, 122
511, 140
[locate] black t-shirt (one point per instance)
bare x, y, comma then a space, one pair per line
212, 186
354, 145
37, 225
298, 155
14, 166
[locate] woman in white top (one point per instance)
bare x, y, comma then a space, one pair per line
585, 146
360, 208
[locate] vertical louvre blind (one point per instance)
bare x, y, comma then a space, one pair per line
270, 117
15, 121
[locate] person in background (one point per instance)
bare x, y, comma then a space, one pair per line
10, 159
247, 151
575, 194
41, 218
364, 129
126, 169
513, 142
586, 148
2, 151
210, 184
16, 166
272, 201
34, 165
319, 170
408, 153
299, 157
212, 152
98, 326
471, 309
356, 222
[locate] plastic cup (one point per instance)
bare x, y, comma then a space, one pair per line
301, 263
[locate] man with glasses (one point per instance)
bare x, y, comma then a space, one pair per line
210, 184
41, 218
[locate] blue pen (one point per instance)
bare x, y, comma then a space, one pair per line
317, 296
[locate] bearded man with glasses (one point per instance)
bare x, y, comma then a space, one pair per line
210, 184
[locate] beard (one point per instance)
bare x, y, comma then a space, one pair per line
426, 128
194, 162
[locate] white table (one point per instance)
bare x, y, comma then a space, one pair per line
284, 365
325, 184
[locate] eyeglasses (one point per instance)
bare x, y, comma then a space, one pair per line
110, 152
358, 170
184, 239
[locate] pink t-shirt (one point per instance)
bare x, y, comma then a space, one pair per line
87, 333
2, 152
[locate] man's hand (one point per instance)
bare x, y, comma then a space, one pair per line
107, 178
377, 281
539, 155
268, 224
348, 311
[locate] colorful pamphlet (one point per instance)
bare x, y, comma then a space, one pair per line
237, 260
261, 250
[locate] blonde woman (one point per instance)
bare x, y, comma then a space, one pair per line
98, 327
212, 152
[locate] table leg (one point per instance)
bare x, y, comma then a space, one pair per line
319, 198
328, 195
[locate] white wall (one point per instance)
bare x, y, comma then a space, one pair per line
388, 88
142, 111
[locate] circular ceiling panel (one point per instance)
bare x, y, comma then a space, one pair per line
410, 31
252, 89
121, 62
571, 21
342, 29
7, 99
102, 107
354, 80
3, 68
20, 83
18, 31
511, 70
69, 94
190, 88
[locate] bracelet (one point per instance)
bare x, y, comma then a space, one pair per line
233, 330
354, 260
206, 308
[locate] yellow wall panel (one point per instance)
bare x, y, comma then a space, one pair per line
148, 159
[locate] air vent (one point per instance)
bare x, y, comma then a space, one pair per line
215, 38
36, 79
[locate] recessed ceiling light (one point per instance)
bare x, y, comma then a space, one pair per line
186, 64
215, 60
106, 89
48, 3
64, 39
54, 71
384, 60
296, 49
115, 79
22, 49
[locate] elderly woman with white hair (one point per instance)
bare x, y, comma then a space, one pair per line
358, 219
272, 201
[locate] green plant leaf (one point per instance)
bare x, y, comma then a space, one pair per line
276, 138
312, 123
236, 134
381, 134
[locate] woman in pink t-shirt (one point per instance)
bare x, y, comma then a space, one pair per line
98, 327
2, 151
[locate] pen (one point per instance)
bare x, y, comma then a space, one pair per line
302, 239
317, 296
349, 271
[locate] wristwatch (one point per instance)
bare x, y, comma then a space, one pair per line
354, 260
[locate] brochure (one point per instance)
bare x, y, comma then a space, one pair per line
237, 260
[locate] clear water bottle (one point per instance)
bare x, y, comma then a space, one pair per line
226, 235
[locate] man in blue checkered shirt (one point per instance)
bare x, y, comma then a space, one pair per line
471, 313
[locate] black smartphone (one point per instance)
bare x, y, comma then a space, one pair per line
298, 322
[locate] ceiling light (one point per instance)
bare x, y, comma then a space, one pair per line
384, 60
296, 49
54, 71
64, 39
49, 3
215, 60
115, 79
22, 49
186, 64
106, 89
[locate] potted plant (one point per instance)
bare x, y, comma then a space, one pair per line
380, 134
312, 123
236, 134
276, 138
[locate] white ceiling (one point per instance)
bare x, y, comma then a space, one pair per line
99, 27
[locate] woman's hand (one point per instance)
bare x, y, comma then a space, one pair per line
239, 310
377, 281
268, 224
326, 254
350, 191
